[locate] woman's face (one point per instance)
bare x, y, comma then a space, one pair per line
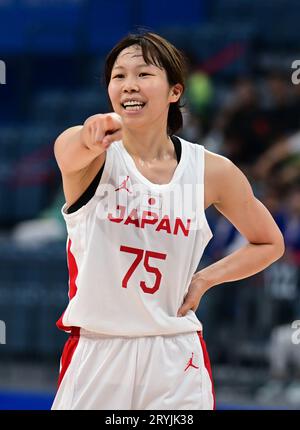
132, 80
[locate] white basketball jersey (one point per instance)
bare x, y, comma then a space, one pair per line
134, 247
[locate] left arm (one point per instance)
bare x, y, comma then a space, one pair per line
252, 219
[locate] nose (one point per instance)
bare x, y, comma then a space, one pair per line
130, 85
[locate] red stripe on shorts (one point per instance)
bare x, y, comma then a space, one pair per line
68, 352
207, 364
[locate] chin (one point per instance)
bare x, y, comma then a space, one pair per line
134, 121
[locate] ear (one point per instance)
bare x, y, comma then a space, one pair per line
175, 93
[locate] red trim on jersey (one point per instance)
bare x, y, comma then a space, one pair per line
73, 273
68, 353
207, 364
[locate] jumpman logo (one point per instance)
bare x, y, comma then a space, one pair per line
122, 186
190, 363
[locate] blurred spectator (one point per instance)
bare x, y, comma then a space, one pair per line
191, 130
284, 355
291, 230
286, 153
199, 93
284, 365
283, 109
248, 130
49, 226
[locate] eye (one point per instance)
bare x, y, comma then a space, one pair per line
118, 76
143, 73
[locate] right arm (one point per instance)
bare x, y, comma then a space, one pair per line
80, 152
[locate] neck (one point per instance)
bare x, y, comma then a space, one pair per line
149, 146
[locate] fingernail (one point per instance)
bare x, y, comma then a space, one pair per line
179, 314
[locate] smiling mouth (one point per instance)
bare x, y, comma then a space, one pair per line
133, 107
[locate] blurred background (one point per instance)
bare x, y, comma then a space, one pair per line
240, 103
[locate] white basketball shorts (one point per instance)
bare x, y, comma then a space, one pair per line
153, 372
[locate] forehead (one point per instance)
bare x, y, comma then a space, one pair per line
133, 51
131, 55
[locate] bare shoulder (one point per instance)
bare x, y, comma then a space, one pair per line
216, 168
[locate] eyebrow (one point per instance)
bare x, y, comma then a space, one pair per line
139, 65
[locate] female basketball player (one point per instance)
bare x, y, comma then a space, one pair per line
136, 196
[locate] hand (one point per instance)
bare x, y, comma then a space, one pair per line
197, 288
99, 131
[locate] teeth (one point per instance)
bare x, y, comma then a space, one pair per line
134, 107
132, 102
